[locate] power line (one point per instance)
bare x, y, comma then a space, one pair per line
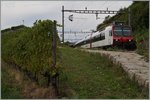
75, 18
92, 11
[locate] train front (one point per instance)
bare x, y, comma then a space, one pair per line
122, 37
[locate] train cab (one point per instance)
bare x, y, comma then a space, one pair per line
122, 35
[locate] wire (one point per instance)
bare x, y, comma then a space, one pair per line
76, 18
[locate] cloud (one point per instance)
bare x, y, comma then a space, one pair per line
16, 11
13, 12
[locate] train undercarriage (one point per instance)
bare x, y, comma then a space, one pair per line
130, 45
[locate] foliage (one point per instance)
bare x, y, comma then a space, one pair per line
31, 48
142, 39
139, 16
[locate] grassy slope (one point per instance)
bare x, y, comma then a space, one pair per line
142, 48
93, 76
17, 85
9, 89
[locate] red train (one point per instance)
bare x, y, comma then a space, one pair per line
116, 34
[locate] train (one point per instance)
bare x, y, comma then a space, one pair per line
117, 34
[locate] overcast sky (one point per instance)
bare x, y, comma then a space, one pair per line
13, 12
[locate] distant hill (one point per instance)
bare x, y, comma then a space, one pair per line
13, 28
139, 16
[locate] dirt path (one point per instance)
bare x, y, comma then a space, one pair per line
29, 88
134, 64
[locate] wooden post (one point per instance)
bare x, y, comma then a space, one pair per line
63, 24
55, 77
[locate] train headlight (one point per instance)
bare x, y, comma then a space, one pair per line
129, 40
116, 39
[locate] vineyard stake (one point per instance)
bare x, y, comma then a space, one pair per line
54, 44
55, 77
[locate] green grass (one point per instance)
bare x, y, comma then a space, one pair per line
8, 89
142, 48
86, 75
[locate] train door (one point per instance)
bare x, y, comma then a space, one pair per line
110, 37
91, 41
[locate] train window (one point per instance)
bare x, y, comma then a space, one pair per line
89, 41
126, 31
98, 38
118, 31
110, 33
102, 36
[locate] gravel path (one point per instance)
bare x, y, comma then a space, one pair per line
134, 64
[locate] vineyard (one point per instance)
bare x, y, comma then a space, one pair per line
30, 49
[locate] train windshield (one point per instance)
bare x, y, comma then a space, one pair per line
118, 31
126, 31
122, 31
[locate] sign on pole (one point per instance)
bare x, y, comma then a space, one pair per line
71, 17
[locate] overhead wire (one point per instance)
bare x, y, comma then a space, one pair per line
103, 4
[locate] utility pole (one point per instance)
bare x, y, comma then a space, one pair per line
23, 22
54, 44
129, 16
63, 24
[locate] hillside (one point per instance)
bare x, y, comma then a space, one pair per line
13, 28
139, 23
139, 16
